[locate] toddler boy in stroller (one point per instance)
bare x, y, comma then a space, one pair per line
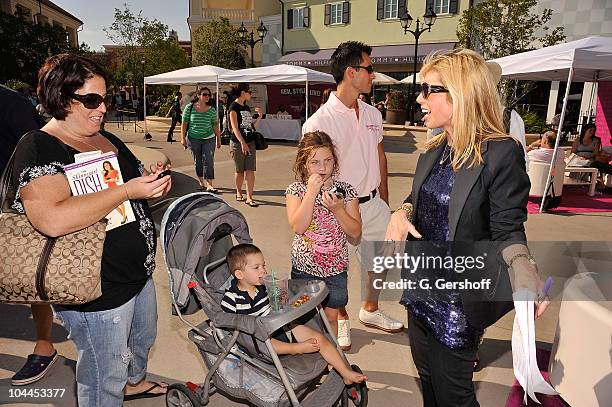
247, 295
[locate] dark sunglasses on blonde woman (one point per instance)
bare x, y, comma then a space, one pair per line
90, 100
427, 89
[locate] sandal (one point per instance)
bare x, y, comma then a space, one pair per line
147, 393
252, 204
212, 190
240, 198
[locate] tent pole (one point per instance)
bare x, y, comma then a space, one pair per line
144, 96
593, 88
570, 76
217, 98
147, 136
307, 99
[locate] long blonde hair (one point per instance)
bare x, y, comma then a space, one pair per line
477, 111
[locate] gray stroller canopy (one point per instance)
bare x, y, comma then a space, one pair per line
195, 231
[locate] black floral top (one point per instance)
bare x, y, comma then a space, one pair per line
128, 258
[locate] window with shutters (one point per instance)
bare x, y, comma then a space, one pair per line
391, 7
335, 13
441, 6
298, 17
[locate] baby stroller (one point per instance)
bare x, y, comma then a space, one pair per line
196, 233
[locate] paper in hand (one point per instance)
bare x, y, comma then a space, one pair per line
524, 359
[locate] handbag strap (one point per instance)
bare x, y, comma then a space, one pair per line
7, 190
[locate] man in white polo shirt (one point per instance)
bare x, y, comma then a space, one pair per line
357, 131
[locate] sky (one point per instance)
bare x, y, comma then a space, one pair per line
97, 15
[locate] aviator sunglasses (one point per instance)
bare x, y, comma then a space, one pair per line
427, 89
90, 100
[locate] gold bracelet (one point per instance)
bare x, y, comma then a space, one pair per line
126, 191
407, 206
529, 258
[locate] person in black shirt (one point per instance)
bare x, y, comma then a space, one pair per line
17, 117
113, 333
175, 112
243, 142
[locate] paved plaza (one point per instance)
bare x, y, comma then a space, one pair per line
384, 357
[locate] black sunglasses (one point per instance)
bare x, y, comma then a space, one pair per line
427, 89
205, 94
90, 100
368, 68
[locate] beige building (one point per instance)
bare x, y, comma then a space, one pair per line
314, 28
46, 12
249, 12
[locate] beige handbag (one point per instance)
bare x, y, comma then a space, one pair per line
35, 268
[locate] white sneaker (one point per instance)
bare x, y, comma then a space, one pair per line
380, 320
344, 334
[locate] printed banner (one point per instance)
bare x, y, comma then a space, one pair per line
291, 99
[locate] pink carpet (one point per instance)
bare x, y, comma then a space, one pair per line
515, 398
575, 200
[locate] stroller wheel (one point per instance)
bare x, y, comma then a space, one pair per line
357, 394
180, 395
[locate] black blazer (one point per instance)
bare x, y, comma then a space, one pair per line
488, 202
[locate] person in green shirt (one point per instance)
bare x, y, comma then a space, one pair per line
200, 132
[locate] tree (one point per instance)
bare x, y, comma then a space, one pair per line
218, 43
145, 47
497, 28
25, 46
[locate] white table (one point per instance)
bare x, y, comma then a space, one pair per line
592, 178
280, 129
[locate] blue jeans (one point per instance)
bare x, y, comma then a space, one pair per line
337, 286
112, 346
204, 156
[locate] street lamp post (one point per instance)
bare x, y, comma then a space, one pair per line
428, 20
243, 32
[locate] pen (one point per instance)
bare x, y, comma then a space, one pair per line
547, 285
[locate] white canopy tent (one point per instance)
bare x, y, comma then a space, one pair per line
279, 74
585, 60
382, 79
187, 76
408, 79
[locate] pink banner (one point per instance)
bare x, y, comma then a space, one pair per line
291, 98
603, 116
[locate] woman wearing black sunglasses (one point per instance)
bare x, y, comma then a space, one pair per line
470, 186
112, 334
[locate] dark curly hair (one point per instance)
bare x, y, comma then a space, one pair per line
59, 77
309, 143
